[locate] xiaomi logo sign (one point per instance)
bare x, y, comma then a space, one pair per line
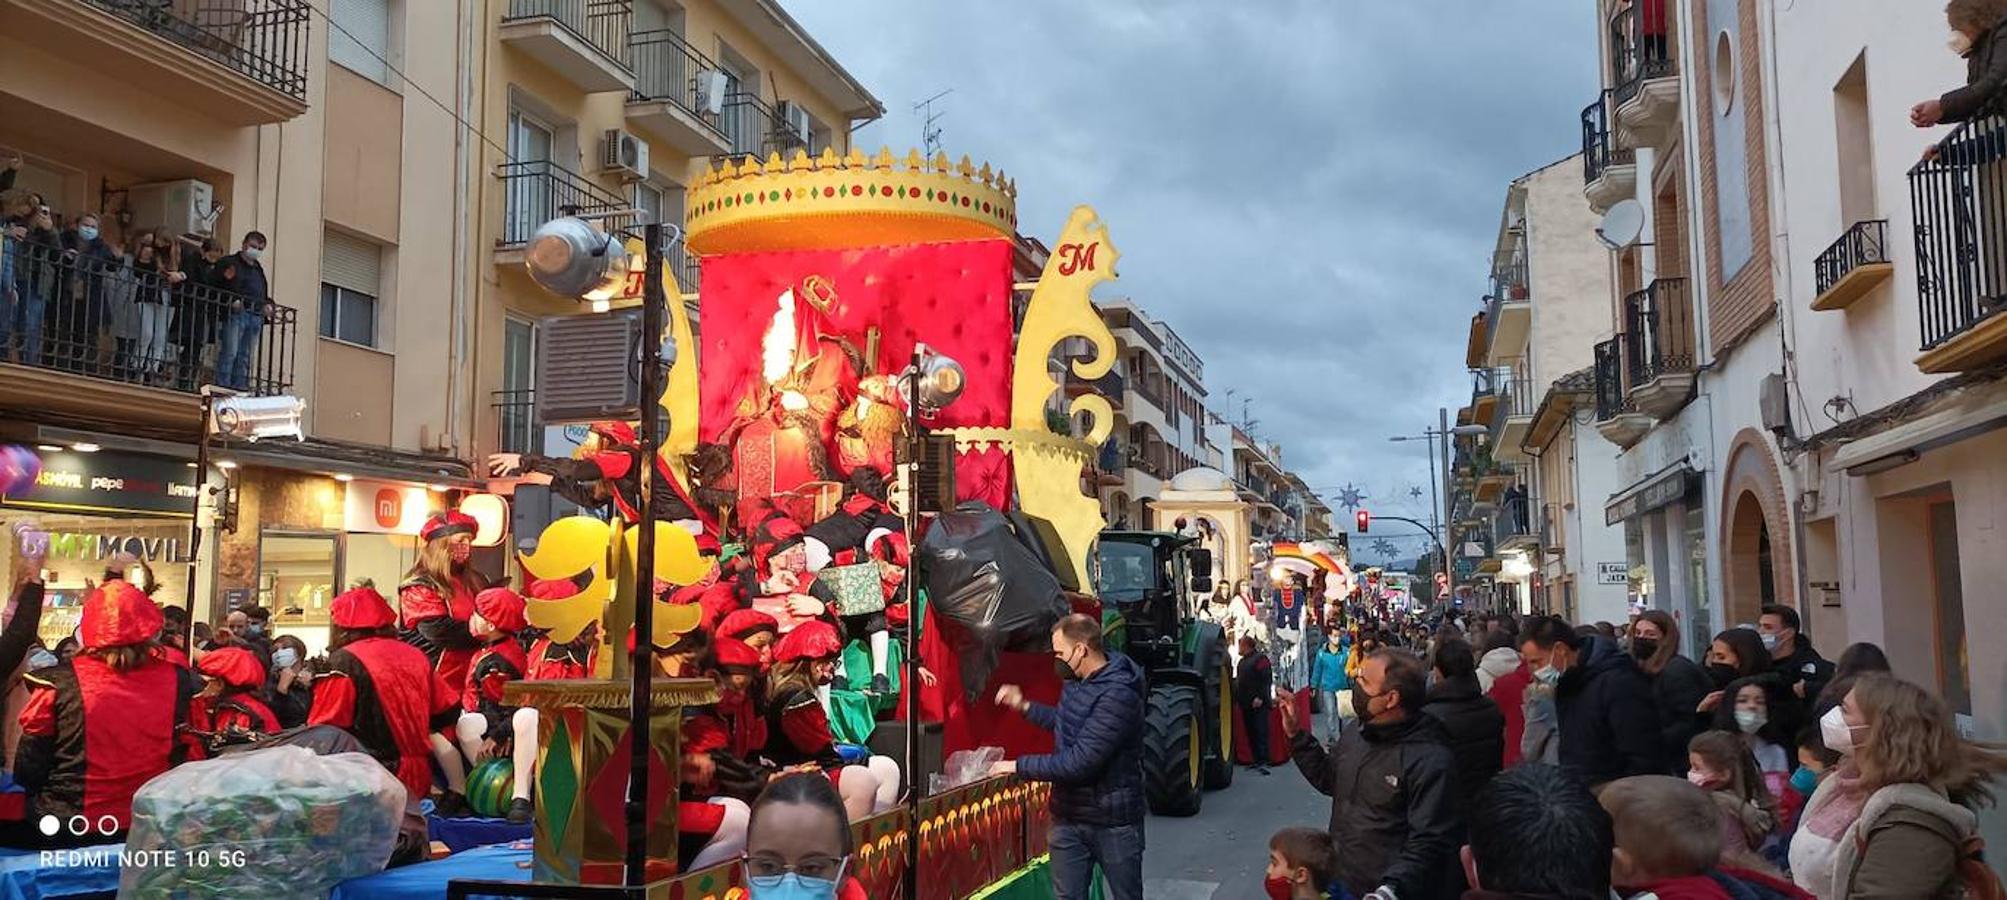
382, 507
389, 507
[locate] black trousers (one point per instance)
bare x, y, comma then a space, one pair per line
1256, 719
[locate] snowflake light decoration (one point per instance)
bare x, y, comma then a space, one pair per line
1384, 547
1350, 496
1414, 492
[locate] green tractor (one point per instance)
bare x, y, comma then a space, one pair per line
1151, 584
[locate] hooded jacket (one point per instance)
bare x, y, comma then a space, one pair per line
1395, 817
1609, 723
1096, 767
1985, 77
1907, 843
1327, 674
1503, 677
1476, 731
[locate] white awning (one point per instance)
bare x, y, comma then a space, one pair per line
1971, 412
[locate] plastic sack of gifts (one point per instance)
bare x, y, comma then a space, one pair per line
986, 578
275, 822
965, 767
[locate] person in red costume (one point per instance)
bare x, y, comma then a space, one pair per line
437, 596
798, 729
229, 709
711, 817
550, 660
781, 435
608, 471
385, 692
101, 724
488, 727
738, 668
757, 629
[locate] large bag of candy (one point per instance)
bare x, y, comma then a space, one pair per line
276, 822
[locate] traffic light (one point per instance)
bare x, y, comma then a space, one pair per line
1364, 519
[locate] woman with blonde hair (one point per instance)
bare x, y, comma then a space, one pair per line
1896, 819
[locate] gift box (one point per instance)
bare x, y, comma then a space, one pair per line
859, 589
810, 503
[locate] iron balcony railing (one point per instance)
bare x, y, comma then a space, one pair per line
685, 265
1599, 152
98, 315
1514, 516
667, 68
1110, 459
750, 125
1483, 383
1640, 47
1610, 398
1959, 199
1658, 338
265, 40
536, 191
600, 23
1864, 244
1515, 389
1509, 282
516, 421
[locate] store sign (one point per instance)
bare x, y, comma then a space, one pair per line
382, 507
1662, 490
87, 546
1613, 573
108, 481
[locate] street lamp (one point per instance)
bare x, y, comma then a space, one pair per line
1439, 445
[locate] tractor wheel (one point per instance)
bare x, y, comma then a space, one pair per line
1218, 767
1172, 752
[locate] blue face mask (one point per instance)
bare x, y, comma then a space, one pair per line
284, 657
87, 232
791, 886
1804, 781
254, 629
39, 658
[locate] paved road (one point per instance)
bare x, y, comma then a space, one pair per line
1221, 853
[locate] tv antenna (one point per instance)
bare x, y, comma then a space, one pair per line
930, 129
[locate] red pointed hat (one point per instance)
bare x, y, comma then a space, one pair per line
117, 615
735, 653
234, 666
503, 608
810, 640
742, 622
448, 524
361, 608
552, 589
620, 433
703, 734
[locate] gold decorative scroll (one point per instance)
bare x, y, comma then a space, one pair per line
680, 399
1048, 469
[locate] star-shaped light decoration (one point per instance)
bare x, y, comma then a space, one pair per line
1350, 496
1414, 492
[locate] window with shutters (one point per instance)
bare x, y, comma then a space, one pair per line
351, 280
515, 402
359, 37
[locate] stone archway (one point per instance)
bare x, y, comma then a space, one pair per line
1758, 565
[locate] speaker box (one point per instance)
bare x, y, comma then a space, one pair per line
889, 739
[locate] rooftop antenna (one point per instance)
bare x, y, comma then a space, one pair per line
930, 129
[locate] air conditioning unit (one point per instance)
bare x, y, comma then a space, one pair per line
175, 207
796, 122
711, 85
624, 154
1773, 403
585, 368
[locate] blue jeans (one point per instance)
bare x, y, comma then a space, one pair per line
240, 334
21, 314
1076, 849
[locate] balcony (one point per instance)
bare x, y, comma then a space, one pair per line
1492, 480
242, 62
1483, 395
1617, 419
83, 348
1645, 84
1512, 528
536, 191
1959, 198
516, 421
671, 99
1514, 416
1856, 263
1609, 172
1659, 347
684, 265
1110, 386
1510, 313
583, 40
1477, 345
753, 128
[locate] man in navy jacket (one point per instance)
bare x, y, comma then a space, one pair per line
1096, 765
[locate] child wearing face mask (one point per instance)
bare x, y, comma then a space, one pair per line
1302, 865
1719, 764
1764, 712
1666, 847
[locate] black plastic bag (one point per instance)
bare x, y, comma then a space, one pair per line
997, 594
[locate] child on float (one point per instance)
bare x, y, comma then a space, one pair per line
229, 710
487, 727
798, 729
757, 629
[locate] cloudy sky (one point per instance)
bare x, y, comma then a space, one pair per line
1305, 190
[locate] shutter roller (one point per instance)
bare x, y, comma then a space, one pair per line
367, 23
352, 263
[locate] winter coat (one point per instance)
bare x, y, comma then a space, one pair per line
1678, 689
1253, 679
1395, 818
1476, 732
1504, 678
1906, 843
1722, 884
1327, 674
1803, 665
1609, 725
1096, 767
1985, 78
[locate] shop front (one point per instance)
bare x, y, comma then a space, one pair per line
91, 513
1664, 518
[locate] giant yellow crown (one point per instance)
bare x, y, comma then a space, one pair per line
829, 202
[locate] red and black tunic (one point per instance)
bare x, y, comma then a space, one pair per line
385, 692
798, 731
612, 475
90, 735
551, 661
233, 711
496, 664
434, 620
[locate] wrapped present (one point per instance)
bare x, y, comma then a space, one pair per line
859, 589
810, 503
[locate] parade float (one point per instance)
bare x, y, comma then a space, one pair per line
840, 296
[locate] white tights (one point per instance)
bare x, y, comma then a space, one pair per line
472, 730
730, 841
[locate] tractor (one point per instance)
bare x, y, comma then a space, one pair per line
1151, 584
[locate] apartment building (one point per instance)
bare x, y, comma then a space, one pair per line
217, 120
1158, 390
590, 107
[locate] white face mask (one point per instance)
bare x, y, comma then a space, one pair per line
1837, 734
252, 253
1959, 43
1750, 721
1769, 640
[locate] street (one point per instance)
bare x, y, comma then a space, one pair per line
1220, 853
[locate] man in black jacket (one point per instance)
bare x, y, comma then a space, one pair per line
1791, 653
1095, 768
1609, 723
1473, 723
1253, 684
1392, 782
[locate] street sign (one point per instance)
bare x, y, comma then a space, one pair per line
1613, 573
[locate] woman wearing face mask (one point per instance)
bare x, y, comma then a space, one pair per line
436, 599
290, 692
799, 844
1678, 683
1894, 818
798, 728
1979, 34
1735, 653
228, 710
